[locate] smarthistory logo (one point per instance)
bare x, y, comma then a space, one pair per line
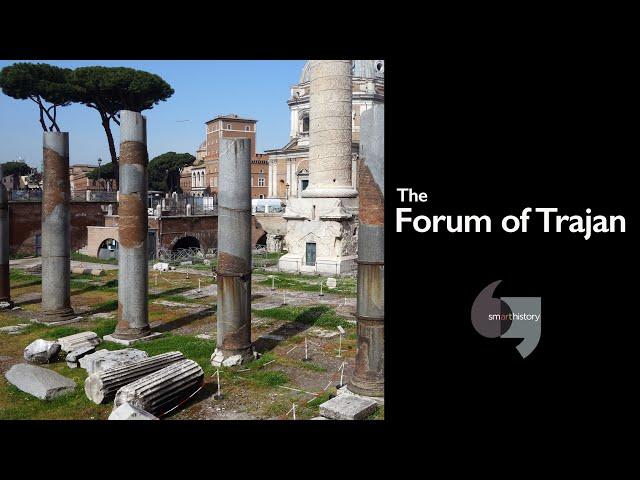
508, 317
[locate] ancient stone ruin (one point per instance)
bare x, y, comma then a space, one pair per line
332, 229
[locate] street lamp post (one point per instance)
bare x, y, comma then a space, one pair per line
99, 162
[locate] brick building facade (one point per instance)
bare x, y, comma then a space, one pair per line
80, 182
172, 232
201, 178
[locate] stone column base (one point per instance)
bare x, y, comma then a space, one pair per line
230, 358
290, 263
66, 315
326, 266
346, 390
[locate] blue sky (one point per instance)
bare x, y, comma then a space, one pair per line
258, 89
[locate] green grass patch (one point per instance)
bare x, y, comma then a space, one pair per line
107, 306
346, 286
276, 409
203, 266
304, 410
179, 299
93, 282
319, 315
266, 378
259, 363
17, 256
19, 277
104, 327
320, 399
260, 377
101, 328
86, 258
311, 366
18, 405
59, 332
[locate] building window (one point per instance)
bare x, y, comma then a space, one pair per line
228, 126
261, 196
304, 184
305, 124
261, 181
247, 128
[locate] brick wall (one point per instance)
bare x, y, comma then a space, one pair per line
25, 223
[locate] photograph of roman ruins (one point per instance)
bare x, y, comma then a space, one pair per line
160, 260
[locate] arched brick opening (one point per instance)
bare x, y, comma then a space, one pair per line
262, 241
186, 241
108, 249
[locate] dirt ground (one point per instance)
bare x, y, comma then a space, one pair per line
182, 306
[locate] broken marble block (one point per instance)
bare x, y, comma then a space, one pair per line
126, 411
348, 407
101, 387
322, 333
41, 351
78, 340
218, 359
14, 329
104, 359
75, 355
163, 390
39, 382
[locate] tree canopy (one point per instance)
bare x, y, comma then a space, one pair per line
21, 168
41, 83
172, 162
105, 89
107, 172
111, 89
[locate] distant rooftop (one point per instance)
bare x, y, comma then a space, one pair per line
87, 165
232, 116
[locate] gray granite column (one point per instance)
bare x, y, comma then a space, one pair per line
5, 285
234, 254
56, 229
133, 321
368, 377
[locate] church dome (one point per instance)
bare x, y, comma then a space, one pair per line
359, 69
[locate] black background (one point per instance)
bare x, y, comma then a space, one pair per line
487, 118
503, 125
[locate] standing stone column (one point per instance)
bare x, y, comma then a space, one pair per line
133, 318
56, 229
234, 253
368, 377
330, 130
5, 285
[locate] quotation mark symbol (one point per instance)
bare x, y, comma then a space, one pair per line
508, 317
